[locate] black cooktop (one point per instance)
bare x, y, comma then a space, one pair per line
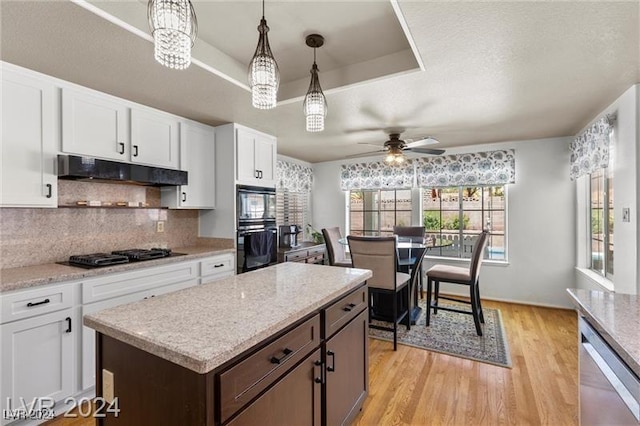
97, 260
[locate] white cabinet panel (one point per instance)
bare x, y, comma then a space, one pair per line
89, 334
255, 158
197, 157
94, 125
28, 141
154, 138
38, 357
29, 303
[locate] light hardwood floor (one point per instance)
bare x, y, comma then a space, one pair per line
416, 387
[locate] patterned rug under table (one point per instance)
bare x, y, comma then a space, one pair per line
455, 334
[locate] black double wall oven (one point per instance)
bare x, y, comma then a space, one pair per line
256, 213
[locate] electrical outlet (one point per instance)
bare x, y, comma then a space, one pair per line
108, 392
626, 214
160, 226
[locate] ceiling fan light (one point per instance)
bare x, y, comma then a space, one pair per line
174, 27
264, 76
389, 158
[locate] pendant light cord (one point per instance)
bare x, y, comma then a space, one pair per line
262, 9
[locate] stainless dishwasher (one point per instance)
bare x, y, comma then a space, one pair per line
609, 390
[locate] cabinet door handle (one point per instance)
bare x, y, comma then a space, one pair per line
255, 174
121, 148
260, 171
321, 378
44, 302
184, 197
68, 330
287, 354
49, 190
333, 364
219, 265
135, 150
349, 307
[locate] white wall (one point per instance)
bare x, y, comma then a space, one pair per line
541, 230
626, 186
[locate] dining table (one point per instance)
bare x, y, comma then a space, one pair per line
417, 249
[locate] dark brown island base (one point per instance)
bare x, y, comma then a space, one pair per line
284, 345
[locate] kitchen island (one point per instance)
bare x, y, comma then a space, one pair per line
281, 345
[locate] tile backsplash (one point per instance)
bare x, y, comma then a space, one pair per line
37, 236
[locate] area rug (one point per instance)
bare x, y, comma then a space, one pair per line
455, 334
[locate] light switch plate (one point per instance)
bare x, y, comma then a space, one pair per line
626, 214
107, 386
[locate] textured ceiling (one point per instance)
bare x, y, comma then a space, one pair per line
494, 71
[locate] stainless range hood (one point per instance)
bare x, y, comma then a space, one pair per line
75, 167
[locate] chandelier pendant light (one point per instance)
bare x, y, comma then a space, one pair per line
174, 27
264, 77
315, 104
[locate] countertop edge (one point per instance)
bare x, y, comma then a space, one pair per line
69, 273
602, 329
204, 366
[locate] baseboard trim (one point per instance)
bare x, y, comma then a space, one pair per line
517, 302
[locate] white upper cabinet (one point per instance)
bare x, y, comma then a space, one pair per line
197, 157
94, 125
28, 140
255, 158
154, 138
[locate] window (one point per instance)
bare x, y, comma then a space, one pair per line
601, 219
459, 214
376, 212
293, 208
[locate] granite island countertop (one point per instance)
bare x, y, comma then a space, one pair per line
616, 317
202, 327
38, 275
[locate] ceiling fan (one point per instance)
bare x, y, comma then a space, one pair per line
395, 147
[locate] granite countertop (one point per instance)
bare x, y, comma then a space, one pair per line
616, 317
202, 327
34, 276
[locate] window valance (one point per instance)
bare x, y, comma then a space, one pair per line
480, 168
590, 150
293, 177
376, 175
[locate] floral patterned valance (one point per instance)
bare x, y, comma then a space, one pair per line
376, 175
480, 168
590, 150
293, 177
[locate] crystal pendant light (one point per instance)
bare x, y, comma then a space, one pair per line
264, 77
315, 104
174, 26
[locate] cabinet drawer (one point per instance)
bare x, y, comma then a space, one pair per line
316, 259
344, 310
316, 250
114, 285
217, 265
28, 303
245, 380
297, 256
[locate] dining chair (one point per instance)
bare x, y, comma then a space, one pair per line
335, 250
457, 275
406, 257
380, 256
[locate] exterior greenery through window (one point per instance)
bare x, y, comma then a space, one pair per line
601, 219
376, 212
459, 214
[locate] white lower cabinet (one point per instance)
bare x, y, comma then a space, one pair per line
47, 355
38, 361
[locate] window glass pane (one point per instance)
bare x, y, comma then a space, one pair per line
403, 200
387, 221
356, 221
597, 221
370, 200
460, 214
376, 212
403, 218
356, 201
610, 222
387, 200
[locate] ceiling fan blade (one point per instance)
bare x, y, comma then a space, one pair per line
426, 151
365, 154
426, 140
371, 144
366, 129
